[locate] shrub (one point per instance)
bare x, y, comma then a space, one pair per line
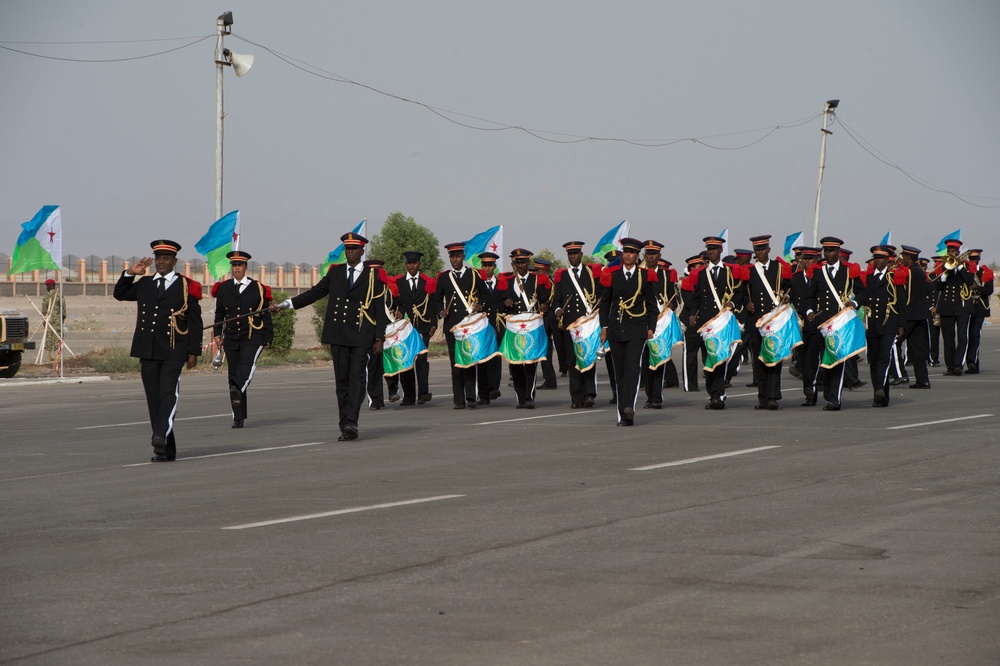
113, 360
319, 316
284, 327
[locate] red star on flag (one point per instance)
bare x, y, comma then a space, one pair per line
494, 247
465, 331
708, 330
524, 326
576, 333
396, 338
52, 237
767, 328
236, 237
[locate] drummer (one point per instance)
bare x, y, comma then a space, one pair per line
766, 289
526, 293
575, 295
456, 297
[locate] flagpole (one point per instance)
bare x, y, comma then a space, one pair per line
62, 329
828, 112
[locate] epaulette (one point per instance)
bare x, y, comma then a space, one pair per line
502, 282
811, 269
194, 287
392, 281
987, 274
672, 275
691, 281
215, 288
544, 281
557, 278
900, 275
786, 268
596, 269
267, 291
607, 273
651, 276
431, 284
853, 271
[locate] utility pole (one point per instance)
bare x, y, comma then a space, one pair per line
828, 113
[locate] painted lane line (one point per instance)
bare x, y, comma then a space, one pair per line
740, 395
232, 453
927, 423
339, 512
120, 425
547, 416
694, 460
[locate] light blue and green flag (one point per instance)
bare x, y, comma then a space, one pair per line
39, 247
221, 238
338, 256
475, 341
401, 348
586, 332
791, 240
668, 335
955, 235
611, 240
843, 337
490, 240
779, 335
721, 334
525, 340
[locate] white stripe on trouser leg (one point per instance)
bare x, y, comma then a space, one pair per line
368, 359
253, 369
684, 360
840, 387
638, 380
894, 360
961, 363
173, 412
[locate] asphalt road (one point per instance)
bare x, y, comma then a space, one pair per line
501, 536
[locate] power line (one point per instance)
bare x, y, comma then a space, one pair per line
114, 41
881, 157
100, 60
543, 135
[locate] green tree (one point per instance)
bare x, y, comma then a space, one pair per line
546, 253
400, 234
284, 327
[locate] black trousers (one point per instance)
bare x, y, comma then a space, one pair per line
812, 353
415, 381
975, 335
351, 374
523, 375
627, 357
916, 335
670, 375
609, 364
652, 379
376, 372
581, 384
955, 337
161, 380
564, 350
548, 370
692, 367
880, 352
935, 343
241, 362
490, 374
767, 378
463, 380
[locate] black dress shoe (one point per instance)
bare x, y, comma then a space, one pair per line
161, 457
934, 364
576, 405
562, 373
809, 402
548, 387
375, 407
425, 398
772, 405
529, 404
877, 404
624, 423
757, 408
471, 404
159, 445
613, 401
588, 402
649, 403
858, 384
459, 407
920, 386
407, 403
751, 384
972, 371
831, 407
717, 404
483, 401
795, 372
628, 414
656, 405
350, 432
899, 380
879, 395
494, 394
520, 405
238, 423
235, 396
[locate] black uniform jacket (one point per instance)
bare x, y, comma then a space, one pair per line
917, 305
167, 328
628, 306
229, 302
884, 299
955, 291
701, 303
566, 296
472, 288
355, 316
778, 276
826, 303
536, 289
416, 304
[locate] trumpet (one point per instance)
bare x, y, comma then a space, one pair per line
951, 263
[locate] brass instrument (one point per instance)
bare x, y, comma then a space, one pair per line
951, 263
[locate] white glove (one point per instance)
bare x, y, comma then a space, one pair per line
285, 304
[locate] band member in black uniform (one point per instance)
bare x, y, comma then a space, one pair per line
628, 319
612, 258
982, 291
666, 297
692, 340
852, 380
914, 316
797, 292
883, 294
574, 295
742, 354
458, 294
490, 374
416, 292
243, 339
670, 378
934, 276
354, 326
526, 292
955, 295
766, 288
376, 371
167, 336
714, 286
555, 353
832, 284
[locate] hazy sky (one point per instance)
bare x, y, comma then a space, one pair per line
128, 148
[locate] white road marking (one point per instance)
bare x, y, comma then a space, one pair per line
927, 423
232, 453
546, 416
326, 514
694, 460
120, 425
740, 395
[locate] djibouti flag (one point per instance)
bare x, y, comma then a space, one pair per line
586, 332
611, 240
721, 334
39, 246
779, 335
401, 347
475, 340
525, 340
221, 238
843, 337
667, 336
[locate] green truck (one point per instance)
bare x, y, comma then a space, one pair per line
13, 341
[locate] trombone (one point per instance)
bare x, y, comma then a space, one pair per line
951, 263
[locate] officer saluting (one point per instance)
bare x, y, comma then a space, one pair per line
167, 336
354, 326
243, 338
